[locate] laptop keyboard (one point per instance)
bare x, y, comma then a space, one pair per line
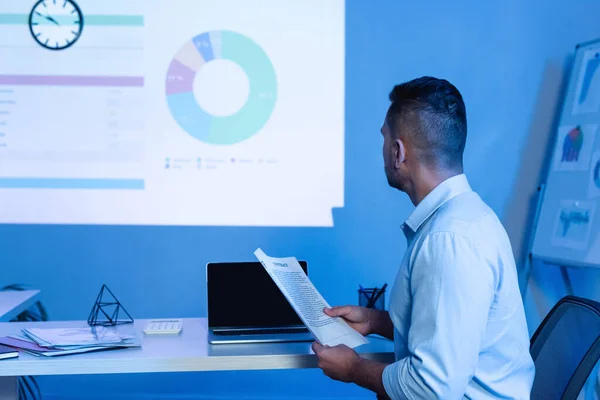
265, 331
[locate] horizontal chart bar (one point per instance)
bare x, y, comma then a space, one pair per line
91, 20
65, 80
71, 183
114, 20
14, 19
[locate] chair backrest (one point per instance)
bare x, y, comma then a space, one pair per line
565, 349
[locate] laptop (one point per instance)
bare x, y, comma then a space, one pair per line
246, 306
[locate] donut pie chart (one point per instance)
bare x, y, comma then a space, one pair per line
191, 58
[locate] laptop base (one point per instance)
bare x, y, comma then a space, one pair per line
215, 338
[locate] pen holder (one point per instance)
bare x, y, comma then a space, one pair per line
372, 298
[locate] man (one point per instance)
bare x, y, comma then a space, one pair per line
455, 313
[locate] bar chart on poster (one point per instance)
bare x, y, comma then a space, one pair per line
174, 112
568, 228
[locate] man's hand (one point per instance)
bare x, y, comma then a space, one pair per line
344, 364
359, 318
365, 320
337, 362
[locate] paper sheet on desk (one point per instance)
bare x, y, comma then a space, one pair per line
308, 302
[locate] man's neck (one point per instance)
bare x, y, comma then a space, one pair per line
426, 179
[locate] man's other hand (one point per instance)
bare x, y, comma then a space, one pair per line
359, 318
338, 362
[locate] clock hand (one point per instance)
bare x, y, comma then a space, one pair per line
49, 18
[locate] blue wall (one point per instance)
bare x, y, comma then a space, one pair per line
509, 58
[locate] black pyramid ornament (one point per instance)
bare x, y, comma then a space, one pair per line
107, 309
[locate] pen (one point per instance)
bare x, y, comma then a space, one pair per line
364, 292
375, 297
371, 296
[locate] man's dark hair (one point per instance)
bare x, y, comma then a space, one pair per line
431, 114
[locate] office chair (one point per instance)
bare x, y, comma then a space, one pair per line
565, 349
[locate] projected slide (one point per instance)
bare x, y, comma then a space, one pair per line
171, 113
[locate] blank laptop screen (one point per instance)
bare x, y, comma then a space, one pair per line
243, 295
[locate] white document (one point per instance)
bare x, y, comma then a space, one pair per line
308, 302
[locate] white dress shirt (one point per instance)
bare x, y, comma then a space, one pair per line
460, 328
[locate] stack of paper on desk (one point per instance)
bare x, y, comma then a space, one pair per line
52, 342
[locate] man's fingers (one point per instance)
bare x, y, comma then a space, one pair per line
317, 347
341, 311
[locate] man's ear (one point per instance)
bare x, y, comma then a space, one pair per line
400, 150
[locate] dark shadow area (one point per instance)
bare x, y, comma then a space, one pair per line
535, 159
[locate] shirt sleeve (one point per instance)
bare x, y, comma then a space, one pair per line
452, 284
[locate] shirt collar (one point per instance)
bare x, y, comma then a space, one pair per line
443, 192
